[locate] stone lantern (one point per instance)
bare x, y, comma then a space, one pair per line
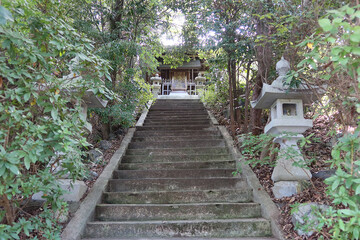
200, 82
288, 124
156, 84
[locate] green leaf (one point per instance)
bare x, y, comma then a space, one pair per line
355, 37
357, 191
325, 24
335, 153
356, 51
27, 97
5, 16
350, 11
27, 163
347, 212
341, 224
335, 184
2, 170
14, 169
54, 114
356, 233
15, 235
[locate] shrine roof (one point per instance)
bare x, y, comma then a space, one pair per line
193, 64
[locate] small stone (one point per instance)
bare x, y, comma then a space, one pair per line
105, 145
112, 136
91, 176
119, 132
324, 174
95, 154
306, 215
285, 188
94, 174
75, 190
62, 216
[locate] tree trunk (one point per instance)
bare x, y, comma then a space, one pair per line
105, 131
247, 98
263, 52
116, 17
9, 210
235, 90
231, 97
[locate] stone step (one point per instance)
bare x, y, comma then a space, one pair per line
194, 133
175, 138
205, 211
164, 111
158, 101
174, 158
178, 173
184, 238
174, 184
152, 116
204, 127
176, 108
175, 111
252, 227
178, 122
180, 104
179, 151
173, 115
178, 165
193, 196
177, 144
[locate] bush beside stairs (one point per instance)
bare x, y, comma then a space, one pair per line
176, 181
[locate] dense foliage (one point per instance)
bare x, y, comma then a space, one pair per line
41, 125
53, 52
333, 60
126, 33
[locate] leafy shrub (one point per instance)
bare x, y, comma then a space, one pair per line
216, 92
334, 60
40, 123
133, 95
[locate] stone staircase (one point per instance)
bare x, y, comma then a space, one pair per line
176, 180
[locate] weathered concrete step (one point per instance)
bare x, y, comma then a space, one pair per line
176, 111
174, 158
175, 138
185, 238
177, 144
252, 227
177, 119
197, 196
197, 115
179, 151
177, 165
174, 115
176, 108
204, 127
173, 184
171, 115
178, 122
146, 212
179, 173
194, 133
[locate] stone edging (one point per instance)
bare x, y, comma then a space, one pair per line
268, 207
212, 118
142, 118
86, 211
